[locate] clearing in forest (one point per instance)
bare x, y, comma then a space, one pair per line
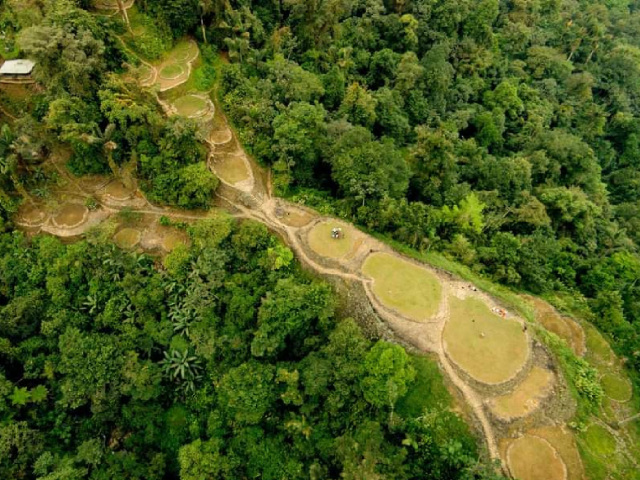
127, 238
231, 169
616, 387
322, 243
489, 348
70, 215
526, 397
533, 458
403, 286
191, 105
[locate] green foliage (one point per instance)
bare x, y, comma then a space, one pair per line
388, 374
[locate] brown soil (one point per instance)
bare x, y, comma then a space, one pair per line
117, 191
31, 214
70, 215
534, 458
295, 217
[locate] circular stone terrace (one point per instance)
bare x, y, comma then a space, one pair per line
534, 458
398, 284
490, 348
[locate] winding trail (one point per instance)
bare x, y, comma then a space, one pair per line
252, 199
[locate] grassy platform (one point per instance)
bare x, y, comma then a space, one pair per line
532, 458
525, 398
404, 286
491, 349
321, 242
190, 105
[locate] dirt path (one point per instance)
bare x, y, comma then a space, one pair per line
253, 200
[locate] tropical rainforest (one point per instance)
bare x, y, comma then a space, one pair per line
504, 135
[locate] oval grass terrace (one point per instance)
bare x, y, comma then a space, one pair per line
403, 286
489, 348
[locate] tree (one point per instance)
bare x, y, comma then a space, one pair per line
388, 374
247, 393
67, 61
359, 106
365, 169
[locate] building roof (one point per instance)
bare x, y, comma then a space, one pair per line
17, 67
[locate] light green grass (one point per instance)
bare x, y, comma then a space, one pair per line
404, 286
493, 358
321, 242
172, 71
616, 387
600, 441
189, 105
427, 391
598, 350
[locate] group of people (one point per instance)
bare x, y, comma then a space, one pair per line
336, 233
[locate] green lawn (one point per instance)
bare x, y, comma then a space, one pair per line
404, 286
172, 71
616, 387
190, 105
490, 348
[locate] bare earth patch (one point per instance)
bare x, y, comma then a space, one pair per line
295, 217
127, 238
489, 348
118, 191
70, 215
403, 286
321, 242
30, 215
526, 397
533, 458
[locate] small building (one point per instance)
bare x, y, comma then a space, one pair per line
17, 71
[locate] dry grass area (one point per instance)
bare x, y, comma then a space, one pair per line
563, 441
118, 191
403, 286
564, 327
127, 238
489, 348
526, 397
533, 458
30, 214
296, 217
70, 215
232, 169
321, 242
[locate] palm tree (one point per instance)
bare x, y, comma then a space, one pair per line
9, 161
183, 368
108, 145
